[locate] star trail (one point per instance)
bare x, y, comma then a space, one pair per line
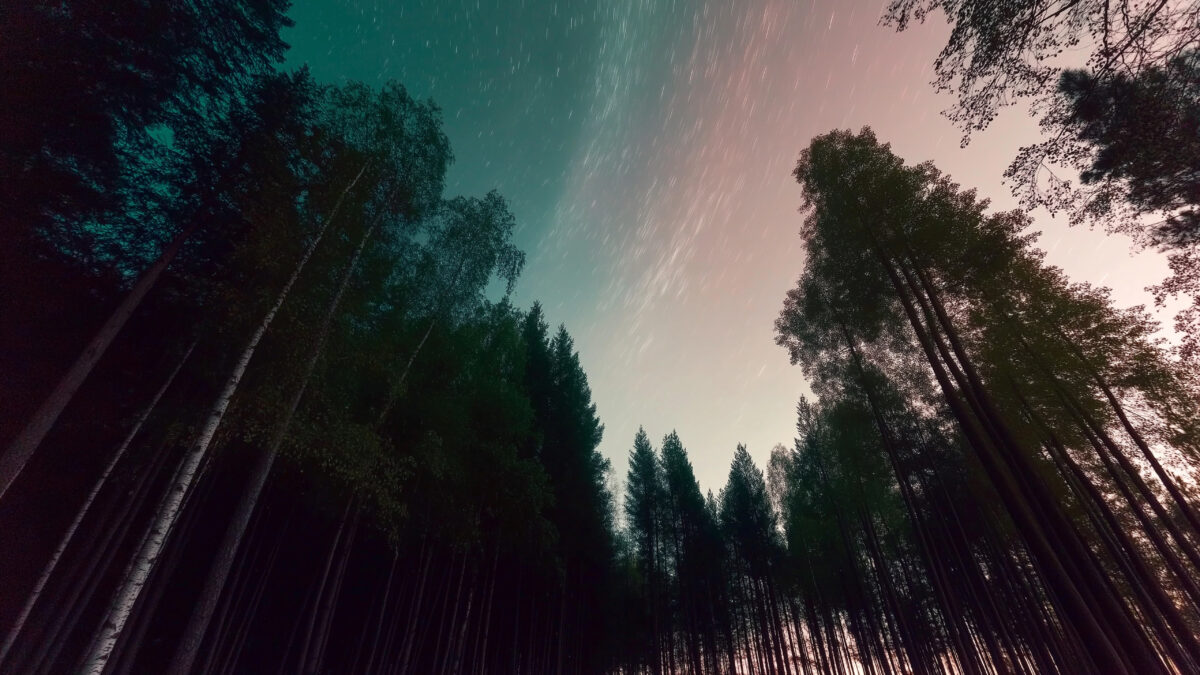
646, 148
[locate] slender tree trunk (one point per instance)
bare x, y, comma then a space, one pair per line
936, 571
394, 391
1081, 610
781, 648
410, 626
1157, 607
17, 455
458, 642
383, 610
129, 645
446, 623
1101, 440
1123, 548
391, 634
103, 546
488, 612
562, 629
168, 512
302, 613
69, 535
240, 629
193, 635
330, 603
321, 600
1168, 481
235, 600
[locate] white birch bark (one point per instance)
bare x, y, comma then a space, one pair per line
206, 605
168, 510
17, 455
40, 586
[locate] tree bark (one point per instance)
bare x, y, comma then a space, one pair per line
103, 546
1060, 579
83, 511
17, 455
321, 599
329, 605
383, 609
202, 611
168, 511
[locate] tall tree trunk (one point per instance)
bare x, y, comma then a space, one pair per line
221, 662
235, 599
398, 387
129, 645
330, 602
936, 571
1101, 440
168, 511
202, 611
383, 610
17, 455
562, 628
448, 618
410, 625
395, 389
102, 548
488, 612
1168, 481
83, 511
781, 647
1124, 550
1081, 609
321, 599
455, 656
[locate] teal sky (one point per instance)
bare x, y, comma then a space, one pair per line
645, 147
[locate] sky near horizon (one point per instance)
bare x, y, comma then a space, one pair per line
646, 150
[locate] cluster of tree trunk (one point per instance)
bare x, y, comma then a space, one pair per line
262, 415
997, 478
288, 430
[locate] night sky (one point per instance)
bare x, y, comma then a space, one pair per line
646, 146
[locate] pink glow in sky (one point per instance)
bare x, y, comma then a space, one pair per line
688, 208
646, 147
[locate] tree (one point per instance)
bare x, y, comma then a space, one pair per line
169, 509
1126, 122
751, 532
644, 507
398, 195
687, 524
903, 265
1142, 131
356, 404
125, 73
999, 52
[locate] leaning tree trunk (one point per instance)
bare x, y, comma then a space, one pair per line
168, 511
329, 607
242, 630
40, 586
17, 455
383, 612
193, 635
1082, 612
103, 544
320, 600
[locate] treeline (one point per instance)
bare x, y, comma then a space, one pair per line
999, 475
267, 407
